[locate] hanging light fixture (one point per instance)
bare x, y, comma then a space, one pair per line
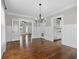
40, 18
40, 15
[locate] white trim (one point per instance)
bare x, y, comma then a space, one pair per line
61, 10
20, 15
50, 14
21, 19
69, 35
62, 16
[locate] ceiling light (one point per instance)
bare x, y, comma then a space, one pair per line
40, 18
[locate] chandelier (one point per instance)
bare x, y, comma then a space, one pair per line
40, 18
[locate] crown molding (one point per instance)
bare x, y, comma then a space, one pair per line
61, 10
49, 15
19, 15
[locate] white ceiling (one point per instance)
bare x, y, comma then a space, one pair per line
31, 7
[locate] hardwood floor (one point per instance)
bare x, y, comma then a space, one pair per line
39, 50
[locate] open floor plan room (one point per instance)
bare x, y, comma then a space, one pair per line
39, 29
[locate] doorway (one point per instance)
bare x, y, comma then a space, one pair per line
22, 31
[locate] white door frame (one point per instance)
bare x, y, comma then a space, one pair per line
62, 20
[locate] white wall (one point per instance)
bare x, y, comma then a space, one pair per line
36, 31
46, 28
8, 33
70, 35
11, 35
49, 33
70, 15
69, 26
9, 17
3, 33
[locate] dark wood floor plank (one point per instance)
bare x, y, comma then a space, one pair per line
38, 50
